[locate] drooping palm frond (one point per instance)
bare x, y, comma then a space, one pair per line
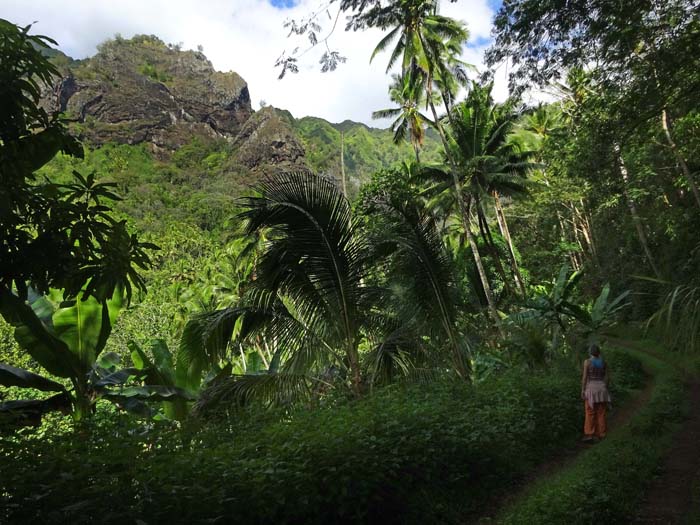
314, 253
678, 318
420, 259
241, 390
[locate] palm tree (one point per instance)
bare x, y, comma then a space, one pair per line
409, 120
494, 164
489, 163
317, 293
428, 44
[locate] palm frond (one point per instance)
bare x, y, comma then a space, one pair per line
385, 42
238, 391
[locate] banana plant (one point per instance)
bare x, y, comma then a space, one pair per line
553, 306
66, 338
166, 373
601, 314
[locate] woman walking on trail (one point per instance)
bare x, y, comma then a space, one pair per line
595, 395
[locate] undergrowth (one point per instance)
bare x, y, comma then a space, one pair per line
405, 454
605, 484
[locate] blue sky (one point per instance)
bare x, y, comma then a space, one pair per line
283, 4
247, 36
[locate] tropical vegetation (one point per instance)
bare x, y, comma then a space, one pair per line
191, 340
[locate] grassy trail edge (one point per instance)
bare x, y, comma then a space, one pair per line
605, 484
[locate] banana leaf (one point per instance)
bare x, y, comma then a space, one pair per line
36, 338
11, 376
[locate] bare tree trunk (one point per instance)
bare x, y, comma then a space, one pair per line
562, 235
342, 163
505, 232
588, 231
265, 359
577, 236
465, 215
488, 241
666, 125
636, 220
243, 361
582, 226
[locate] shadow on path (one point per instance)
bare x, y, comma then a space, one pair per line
669, 499
617, 419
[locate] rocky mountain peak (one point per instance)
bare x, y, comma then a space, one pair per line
142, 90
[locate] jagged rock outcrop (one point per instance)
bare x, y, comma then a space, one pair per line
142, 90
268, 139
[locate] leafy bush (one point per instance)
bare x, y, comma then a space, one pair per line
366, 460
604, 486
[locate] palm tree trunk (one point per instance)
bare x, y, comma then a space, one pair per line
416, 149
493, 250
355, 373
636, 220
505, 232
480, 268
464, 212
666, 125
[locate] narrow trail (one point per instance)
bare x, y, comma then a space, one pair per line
673, 497
669, 499
557, 463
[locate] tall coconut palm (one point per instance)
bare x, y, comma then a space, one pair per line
490, 164
409, 121
316, 292
424, 41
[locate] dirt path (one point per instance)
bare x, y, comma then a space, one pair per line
674, 495
669, 500
617, 419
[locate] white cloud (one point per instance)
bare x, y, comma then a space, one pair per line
246, 36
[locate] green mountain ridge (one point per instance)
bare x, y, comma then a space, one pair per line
143, 91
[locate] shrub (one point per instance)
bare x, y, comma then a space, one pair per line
407, 453
368, 460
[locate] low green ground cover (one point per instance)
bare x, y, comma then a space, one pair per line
406, 453
606, 483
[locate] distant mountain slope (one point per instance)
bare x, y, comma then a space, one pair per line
142, 91
367, 149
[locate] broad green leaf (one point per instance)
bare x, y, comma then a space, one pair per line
163, 361
36, 338
119, 377
77, 323
31, 410
85, 324
151, 393
109, 361
11, 376
138, 357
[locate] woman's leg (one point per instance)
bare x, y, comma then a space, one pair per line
600, 420
589, 425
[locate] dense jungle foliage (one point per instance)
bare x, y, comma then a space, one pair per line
392, 335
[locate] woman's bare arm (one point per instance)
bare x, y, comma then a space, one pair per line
584, 376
